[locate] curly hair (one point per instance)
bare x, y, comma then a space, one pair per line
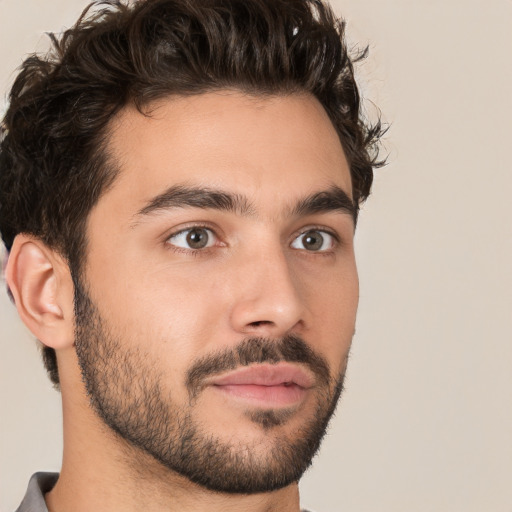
53, 164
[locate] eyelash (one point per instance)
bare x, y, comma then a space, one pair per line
207, 250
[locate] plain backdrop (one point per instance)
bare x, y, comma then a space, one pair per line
425, 423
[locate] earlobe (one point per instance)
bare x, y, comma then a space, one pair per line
41, 285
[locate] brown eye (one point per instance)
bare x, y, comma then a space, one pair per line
314, 240
197, 238
193, 238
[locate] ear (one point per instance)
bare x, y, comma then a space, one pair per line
41, 284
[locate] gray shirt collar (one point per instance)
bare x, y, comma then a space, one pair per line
39, 485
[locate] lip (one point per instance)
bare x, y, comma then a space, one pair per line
266, 375
265, 386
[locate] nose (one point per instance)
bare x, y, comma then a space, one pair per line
268, 300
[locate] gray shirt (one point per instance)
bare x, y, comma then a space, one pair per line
39, 485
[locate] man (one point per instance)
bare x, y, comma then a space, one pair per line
180, 182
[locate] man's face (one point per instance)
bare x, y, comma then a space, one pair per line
219, 293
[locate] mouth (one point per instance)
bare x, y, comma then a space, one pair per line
264, 385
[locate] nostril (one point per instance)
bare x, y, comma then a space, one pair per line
259, 323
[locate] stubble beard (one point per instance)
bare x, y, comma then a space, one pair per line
125, 390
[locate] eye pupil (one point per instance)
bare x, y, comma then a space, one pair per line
197, 238
313, 240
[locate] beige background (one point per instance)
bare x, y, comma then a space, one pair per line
426, 421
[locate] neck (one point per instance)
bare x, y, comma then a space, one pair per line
94, 489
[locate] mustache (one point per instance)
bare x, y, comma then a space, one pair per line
290, 348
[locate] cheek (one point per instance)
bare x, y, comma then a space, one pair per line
333, 306
177, 312
163, 315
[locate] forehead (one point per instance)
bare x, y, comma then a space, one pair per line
269, 149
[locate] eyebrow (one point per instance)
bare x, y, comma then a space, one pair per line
335, 199
182, 196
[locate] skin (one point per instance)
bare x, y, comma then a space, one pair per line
177, 305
